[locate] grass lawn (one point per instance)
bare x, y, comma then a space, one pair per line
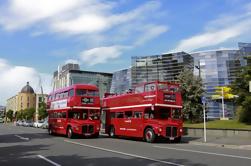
220, 124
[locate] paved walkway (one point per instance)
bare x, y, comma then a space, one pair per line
230, 142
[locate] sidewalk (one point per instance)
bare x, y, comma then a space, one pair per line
228, 142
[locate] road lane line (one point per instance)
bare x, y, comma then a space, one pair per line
48, 160
203, 152
23, 138
126, 154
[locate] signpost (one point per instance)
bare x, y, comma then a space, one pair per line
203, 99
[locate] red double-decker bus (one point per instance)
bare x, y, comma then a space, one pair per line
74, 110
151, 110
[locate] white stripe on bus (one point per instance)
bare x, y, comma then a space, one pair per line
76, 107
143, 105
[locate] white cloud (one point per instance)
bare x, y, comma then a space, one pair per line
19, 14
218, 31
101, 54
74, 61
13, 78
150, 32
95, 21
68, 16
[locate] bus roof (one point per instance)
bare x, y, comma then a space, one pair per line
158, 82
75, 86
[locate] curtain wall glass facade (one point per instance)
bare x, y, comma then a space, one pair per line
218, 68
121, 81
165, 67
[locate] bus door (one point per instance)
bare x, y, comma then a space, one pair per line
63, 123
119, 124
59, 123
137, 123
129, 130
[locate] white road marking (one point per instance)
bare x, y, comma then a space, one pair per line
23, 138
203, 152
48, 160
126, 154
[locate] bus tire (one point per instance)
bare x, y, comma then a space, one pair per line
112, 132
96, 135
149, 135
69, 132
50, 132
177, 140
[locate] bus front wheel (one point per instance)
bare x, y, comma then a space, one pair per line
50, 132
69, 133
149, 135
112, 132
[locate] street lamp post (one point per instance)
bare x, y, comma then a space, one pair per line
198, 67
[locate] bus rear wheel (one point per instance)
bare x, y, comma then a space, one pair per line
69, 133
112, 132
149, 135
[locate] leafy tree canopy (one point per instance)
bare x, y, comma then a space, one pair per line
192, 91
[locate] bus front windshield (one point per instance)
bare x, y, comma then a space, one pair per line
166, 87
157, 114
84, 114
176, 114
78, 114
84, 92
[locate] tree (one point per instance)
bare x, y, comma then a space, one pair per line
192, 91
29, 113
241, 88
10, 115
42, 113
20, 115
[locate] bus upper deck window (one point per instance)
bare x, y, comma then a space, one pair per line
71, 92
150, 87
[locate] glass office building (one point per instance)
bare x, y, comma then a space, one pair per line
121, 81
245, 51
71, 74
165, 67
218, 68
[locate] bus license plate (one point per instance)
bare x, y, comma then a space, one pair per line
87, 134
171, 138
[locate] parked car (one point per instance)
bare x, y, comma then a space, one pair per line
1, 120
19, 123
28, 123
44, 125
38, 124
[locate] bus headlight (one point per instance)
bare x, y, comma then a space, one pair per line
97, 127
181, 130
160, 130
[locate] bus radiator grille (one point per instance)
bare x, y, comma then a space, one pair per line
87, 129
171, 131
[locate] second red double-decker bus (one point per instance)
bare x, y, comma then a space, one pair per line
74, 110
152, 110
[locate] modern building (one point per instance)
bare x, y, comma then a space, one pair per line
71, 74
121, 81
218, 68
245, 51
165, 67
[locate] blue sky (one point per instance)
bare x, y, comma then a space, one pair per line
38, 35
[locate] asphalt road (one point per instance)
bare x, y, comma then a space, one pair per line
20, 146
